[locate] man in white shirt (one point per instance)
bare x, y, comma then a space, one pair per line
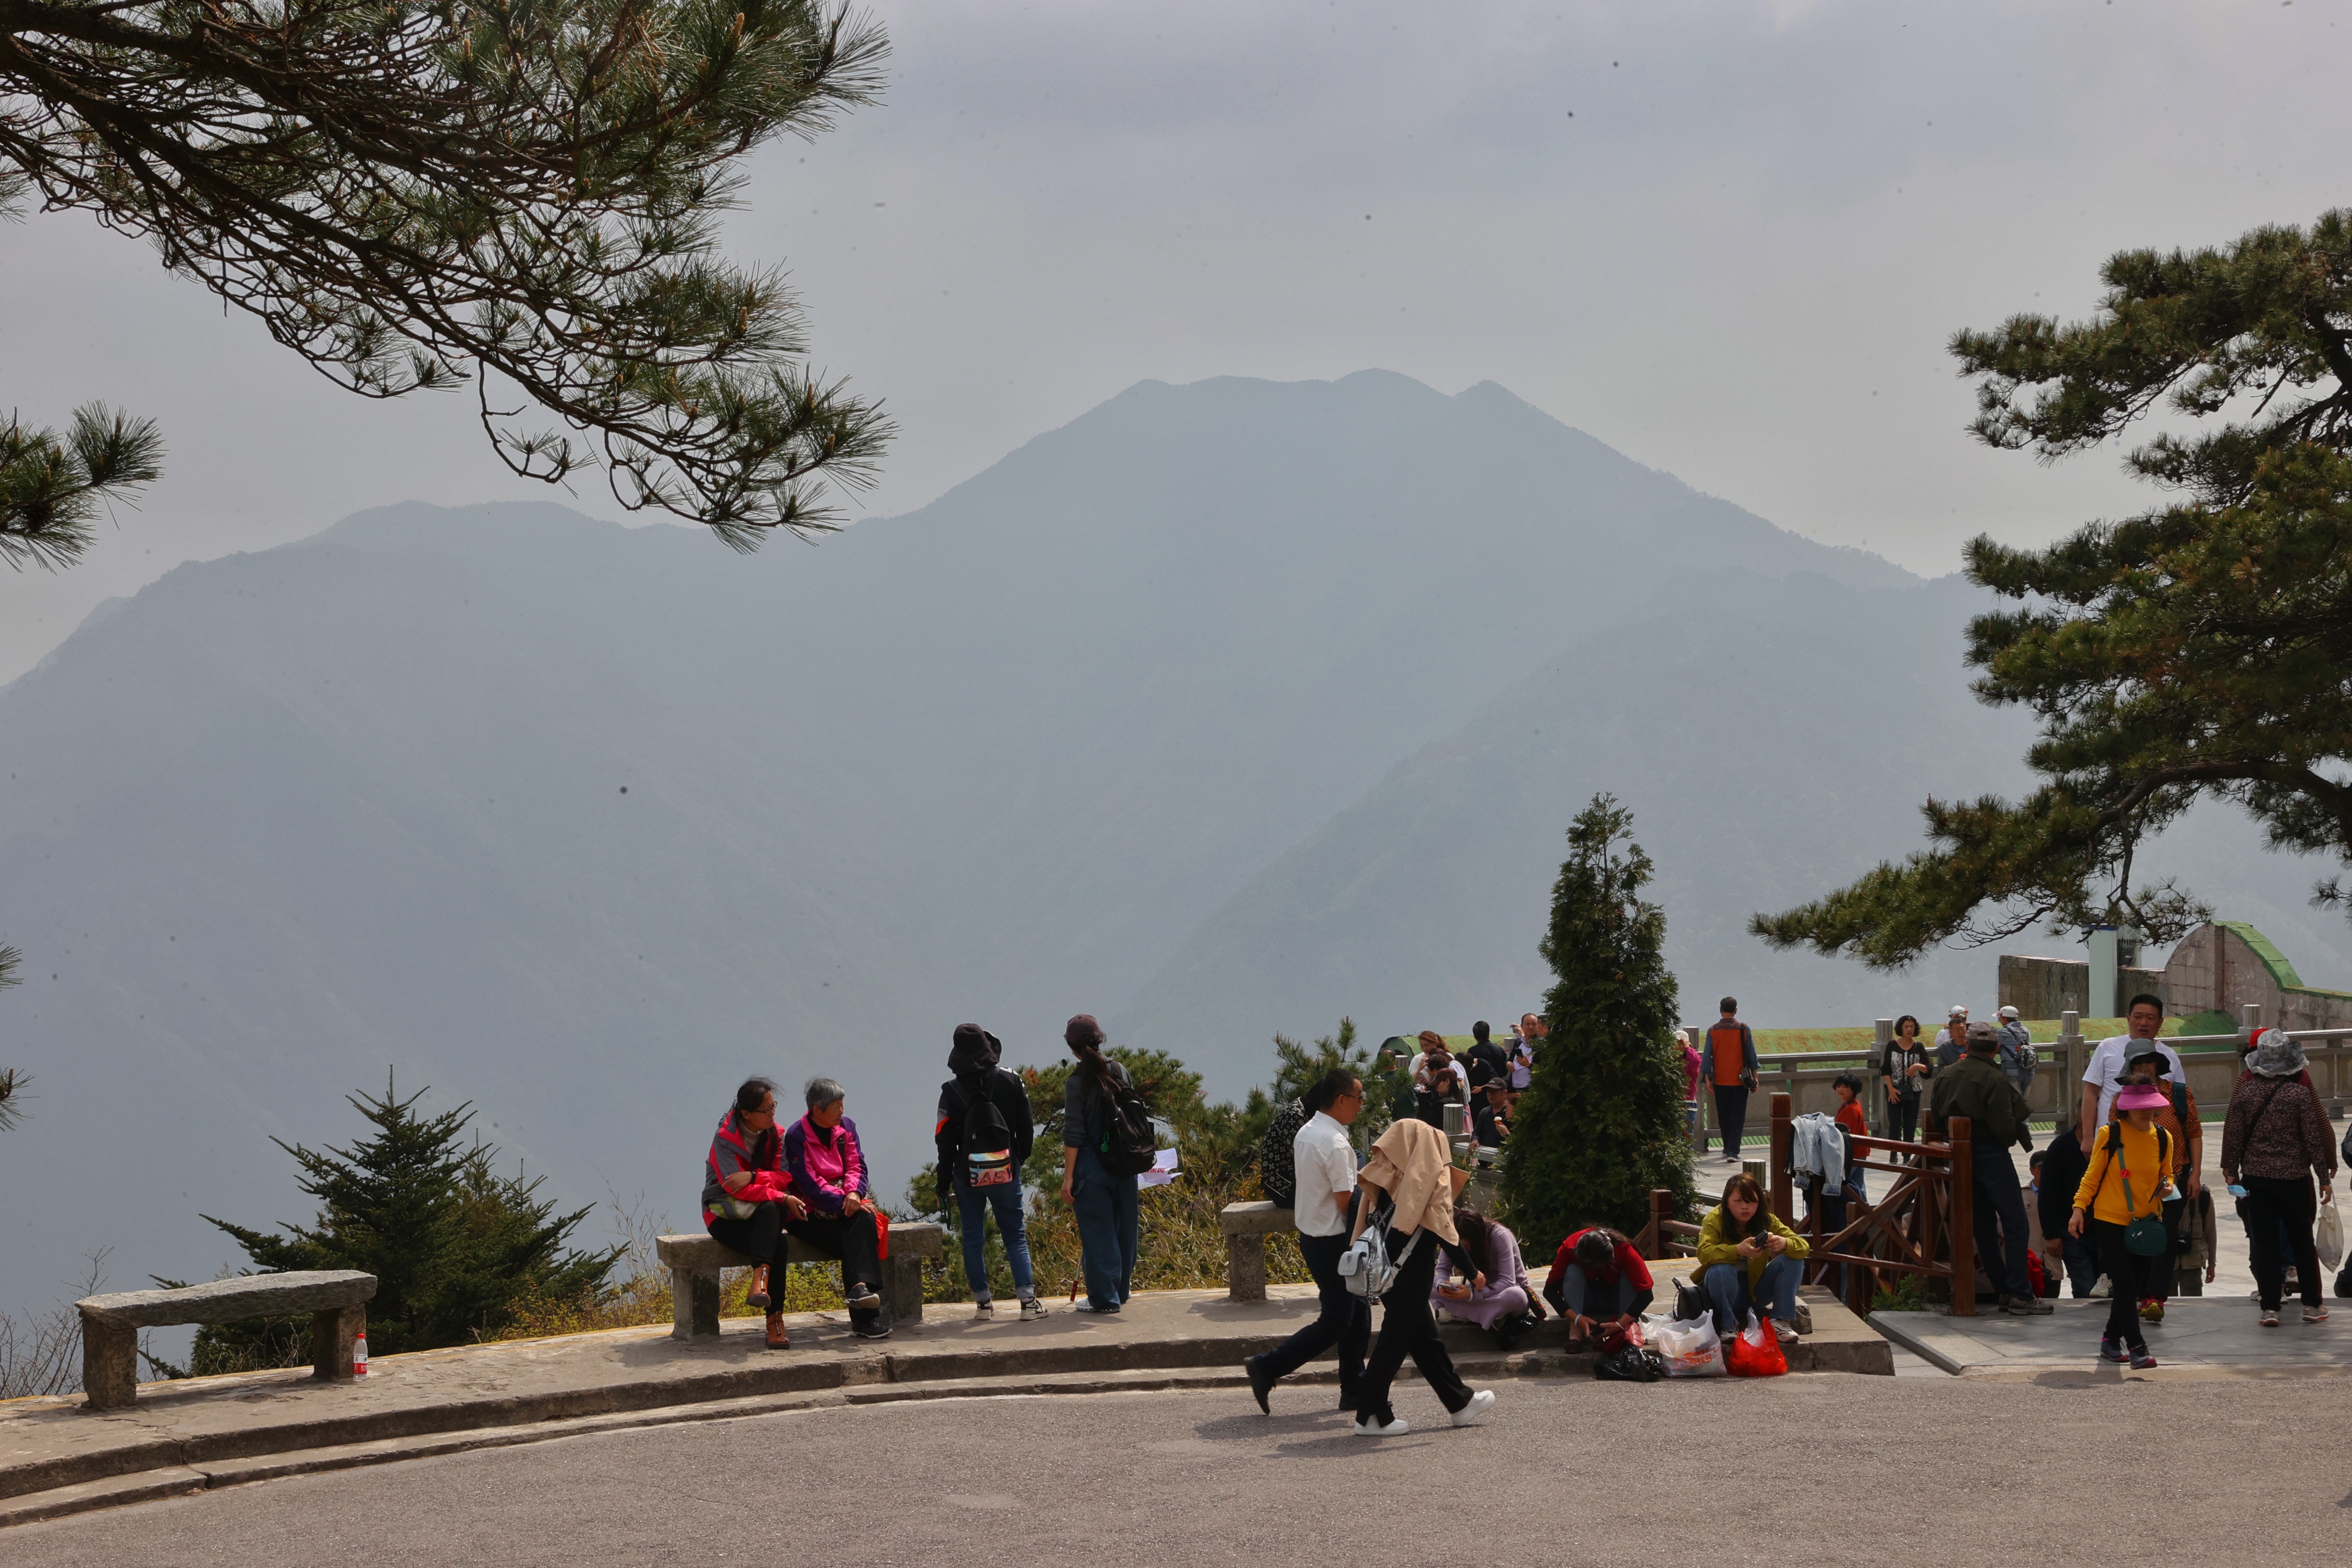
2142, 1018
1326, 1165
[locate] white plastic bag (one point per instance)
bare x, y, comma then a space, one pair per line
2330, 1234
1692, 1349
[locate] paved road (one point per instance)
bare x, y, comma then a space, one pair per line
1798, 1471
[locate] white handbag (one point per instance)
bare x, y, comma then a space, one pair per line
1367, 1266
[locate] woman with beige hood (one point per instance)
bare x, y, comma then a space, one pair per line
1409, 1185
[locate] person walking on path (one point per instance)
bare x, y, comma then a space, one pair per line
1907, 1066
1411, 1183
2143, 1016
1325, 1162
1692, 1063
1997, 1116
2275, 1140
985, 1132
828, 1166
747, 1196
2186, 1130
2124, 1184
1105, 1204
2018, 1057
1728, 1065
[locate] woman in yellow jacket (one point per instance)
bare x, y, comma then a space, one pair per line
2128, 1178
1747, 1259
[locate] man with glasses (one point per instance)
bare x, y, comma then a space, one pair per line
1325, 1164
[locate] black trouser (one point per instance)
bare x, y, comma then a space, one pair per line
2133, 1277
1731, 1116
1346, 1321
1998, 1200
2175, 1209
1902, 1118
1407, 1329
2273, 1207
850, 1238
758, 1239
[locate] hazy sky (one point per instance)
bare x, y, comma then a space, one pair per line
1729, 240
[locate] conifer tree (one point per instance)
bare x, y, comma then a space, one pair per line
2202, 649
455, 1247
1601, 1124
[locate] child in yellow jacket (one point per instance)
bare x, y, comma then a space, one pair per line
2122, 1192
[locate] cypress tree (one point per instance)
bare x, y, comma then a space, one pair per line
1601, 1124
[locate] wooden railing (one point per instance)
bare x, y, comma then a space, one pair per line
1923, 1224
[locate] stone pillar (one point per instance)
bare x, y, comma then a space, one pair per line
333, 1333
694, 1303
902, 1287
1245, 1268
110, 1364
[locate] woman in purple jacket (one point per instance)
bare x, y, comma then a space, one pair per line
828, 1171
1501, 1304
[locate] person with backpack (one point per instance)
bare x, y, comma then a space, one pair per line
1728, 1065
1276, 1162
985, 1132
2275, 1140
747, 1196
2185, 1131
1323, 1162
1407, 1190
2119, 1203
2018, 1057
1098, 1110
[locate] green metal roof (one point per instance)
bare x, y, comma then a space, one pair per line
2272, 959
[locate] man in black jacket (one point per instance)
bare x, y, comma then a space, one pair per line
984, 1138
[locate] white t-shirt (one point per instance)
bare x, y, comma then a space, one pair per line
1324, 1164
2107, 1065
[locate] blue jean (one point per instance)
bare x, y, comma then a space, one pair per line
1107, 1231
2082, 1265
973, 1205
1775, 1293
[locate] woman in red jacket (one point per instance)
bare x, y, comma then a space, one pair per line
747, 1196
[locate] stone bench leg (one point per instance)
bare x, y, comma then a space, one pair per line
902, 1287
1245, 1268
110, 1365
693, 1303
333, 1335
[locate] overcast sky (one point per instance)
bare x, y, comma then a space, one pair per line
1729, 239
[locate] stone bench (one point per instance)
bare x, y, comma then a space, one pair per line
335, 1297
1246, 1226
696, 1259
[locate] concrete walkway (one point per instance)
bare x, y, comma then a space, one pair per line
58, 1458
2201, 1337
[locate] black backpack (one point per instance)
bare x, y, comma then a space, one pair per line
1130, 1145
986, 1156
1278, 1169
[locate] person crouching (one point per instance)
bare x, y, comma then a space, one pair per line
746, 1199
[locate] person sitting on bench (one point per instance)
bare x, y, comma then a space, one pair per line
748, 1198
826, 1165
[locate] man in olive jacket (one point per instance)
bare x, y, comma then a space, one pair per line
1978, 1089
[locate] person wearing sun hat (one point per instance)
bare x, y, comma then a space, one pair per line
2125, 1182
2275, 1140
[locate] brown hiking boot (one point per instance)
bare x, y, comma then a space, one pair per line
758, 1300
778, 1340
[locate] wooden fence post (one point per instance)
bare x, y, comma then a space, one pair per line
1783, 1136
1662, 1209
1964, 1221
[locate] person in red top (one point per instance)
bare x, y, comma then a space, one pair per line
1595, 1270
1690, 1091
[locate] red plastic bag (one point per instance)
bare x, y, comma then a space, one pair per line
1755, 1351
2036, 1277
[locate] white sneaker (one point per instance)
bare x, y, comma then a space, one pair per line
1032, 1310
2102, 1290
1395, 1428
1472, 1413
984, 1311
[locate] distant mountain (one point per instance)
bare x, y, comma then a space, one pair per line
582, 823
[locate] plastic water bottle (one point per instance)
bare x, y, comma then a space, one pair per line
359, 1355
